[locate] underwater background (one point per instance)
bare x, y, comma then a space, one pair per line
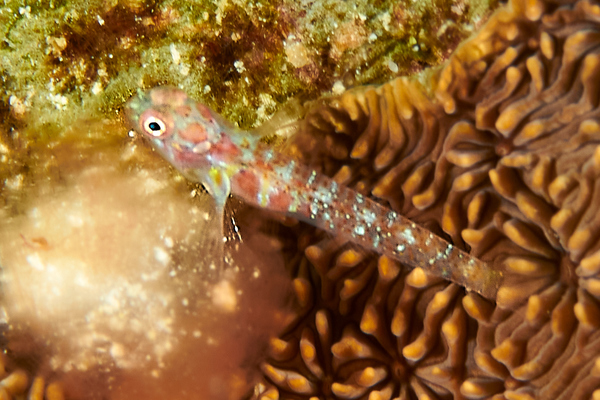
491, 144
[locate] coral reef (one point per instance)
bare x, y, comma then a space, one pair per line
501, 158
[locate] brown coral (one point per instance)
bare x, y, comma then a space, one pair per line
500, 157
503, 160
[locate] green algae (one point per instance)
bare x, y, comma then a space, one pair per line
64, 62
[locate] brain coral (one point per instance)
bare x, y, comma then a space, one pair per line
498, 152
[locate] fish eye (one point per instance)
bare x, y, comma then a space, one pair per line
154, 126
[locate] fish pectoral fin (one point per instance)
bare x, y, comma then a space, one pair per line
217, 182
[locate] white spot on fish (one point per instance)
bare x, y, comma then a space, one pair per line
408, 236
376, 239
369, 216
392, 215
359, 230
288, 172
311, 178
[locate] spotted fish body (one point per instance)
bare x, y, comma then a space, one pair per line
208, 150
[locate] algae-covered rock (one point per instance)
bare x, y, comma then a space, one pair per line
66, 60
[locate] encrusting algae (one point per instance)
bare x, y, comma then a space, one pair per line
495, 151
69, 60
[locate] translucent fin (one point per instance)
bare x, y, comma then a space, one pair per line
210, 248
216, 181
284, 123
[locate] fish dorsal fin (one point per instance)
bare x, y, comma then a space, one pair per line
284, 123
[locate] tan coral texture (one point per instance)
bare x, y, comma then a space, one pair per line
498, 152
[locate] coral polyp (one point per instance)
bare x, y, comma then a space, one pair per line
487, 160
